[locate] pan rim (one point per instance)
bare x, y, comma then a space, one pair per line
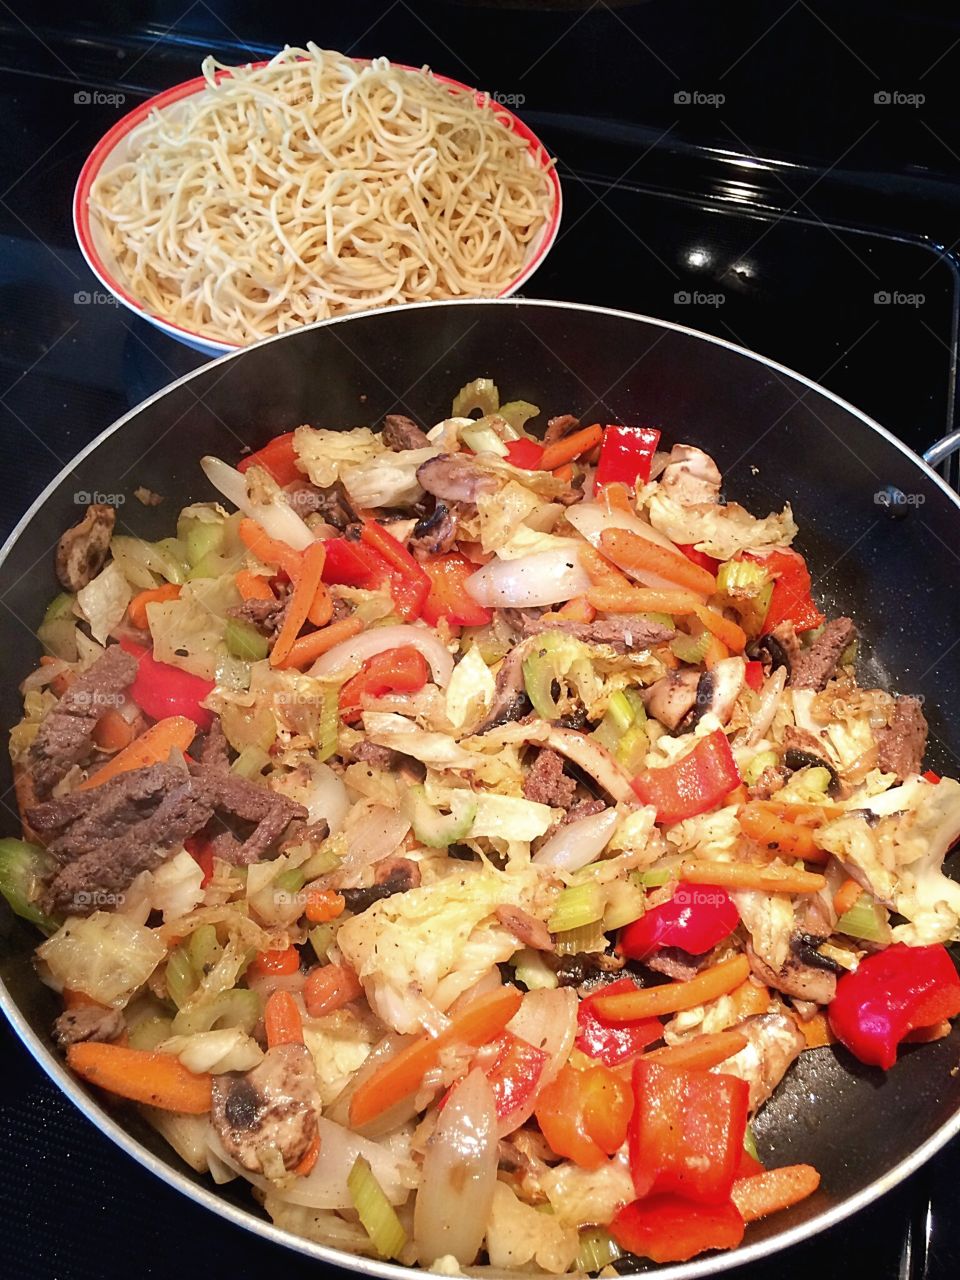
246, 1218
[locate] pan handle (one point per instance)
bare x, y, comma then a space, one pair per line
943, 449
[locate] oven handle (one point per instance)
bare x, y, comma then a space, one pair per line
943, 449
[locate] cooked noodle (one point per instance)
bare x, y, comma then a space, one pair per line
315, 185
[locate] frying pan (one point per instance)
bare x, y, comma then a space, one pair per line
878, 527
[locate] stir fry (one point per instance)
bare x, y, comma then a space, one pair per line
459, 833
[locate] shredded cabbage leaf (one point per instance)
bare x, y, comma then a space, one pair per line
720, 531
323, 454
103, 601
105, 955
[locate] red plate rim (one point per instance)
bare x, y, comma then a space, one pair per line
187, 88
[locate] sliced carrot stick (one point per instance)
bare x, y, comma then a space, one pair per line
253, 586
479, 1023
329, 987
59, 684
633, 553
310, 1159
307, 649
616, 497
924, 1035
579, 609
750, 998
846, 896
269, 550
701, 1052
728, 633
137, 608
773, 1190
281, 1020
816, 1031
73, 998
153, 746
745, 875
564, 473
806, 815
306, 585
158, 1079
651, 1002
769, 829
569, 447
324, 905
617, 598
113, 732
321, 607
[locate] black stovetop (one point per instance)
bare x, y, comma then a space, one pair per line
797, 218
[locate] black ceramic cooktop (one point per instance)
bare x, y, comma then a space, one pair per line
832, 258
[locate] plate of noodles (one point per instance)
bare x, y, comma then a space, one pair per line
255, 199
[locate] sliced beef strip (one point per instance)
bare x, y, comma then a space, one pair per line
773, 778
621, 634
332, 505
902, 742
66, 731
400, 433
377, 757
564, 424
812, 668
676, 963
266, 615
451, 477
525, 928
215, 753
546, 782
435, 533
88, 1022
271, 812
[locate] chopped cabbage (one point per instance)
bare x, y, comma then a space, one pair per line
215, 1051
470, 691
503, 512
188, 632
105, 955
340, 1044
322, 454
502, 817
176, 886
387, 480
435, 749
720, 531
712, 836
525, 541
518, 1233
581, 1197
769, 919
103, 601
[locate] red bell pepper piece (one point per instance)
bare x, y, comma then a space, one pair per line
669, 1229
201, 850
584, 1114
350, 564
699, 557
607, 1042
448, 597
694, 784
514, 1073
687, 1130
791, 600
277, 457
695, 919
402, 670
626, 454
409, 585
889, 995
160, 690
754, 676
930, 776
524, 453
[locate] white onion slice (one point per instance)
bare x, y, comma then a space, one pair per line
578, 843
547, 577
372, 833
590, 519
459, 1175
378, 639
277, 517
769, 701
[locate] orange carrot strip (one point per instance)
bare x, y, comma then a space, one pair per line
175, 733
728, 633
253, 586
744, 875
614, 598
401, 1075
269, 550
562, 451
74, 998
816, 1031
324, 905
805, 815
137, 608
321, 607
310, 1159
773, 1190
651, 1002
59, 684
329, 987
768, 828
616, 497
113, 732
633, 553
749, 998
846, 896
305, 588
924, 1035
564, 473
701, 1052
281, 1020
157, 1079
307, 649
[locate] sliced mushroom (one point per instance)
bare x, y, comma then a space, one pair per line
453, 478
88, 1022
717, 691
795, 758
774, 1042
594, 760
274, 1107
525, 928
82, 550
672, 698
795, 977
691, 476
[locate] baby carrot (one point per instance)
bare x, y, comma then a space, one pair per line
651, 1002
175, 733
